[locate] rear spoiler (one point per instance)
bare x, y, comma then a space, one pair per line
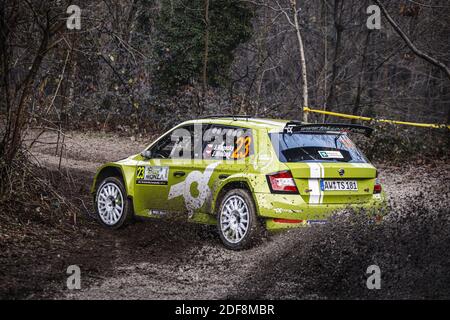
296, 126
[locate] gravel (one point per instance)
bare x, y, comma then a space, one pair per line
176, 260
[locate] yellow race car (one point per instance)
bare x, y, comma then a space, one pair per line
241, 174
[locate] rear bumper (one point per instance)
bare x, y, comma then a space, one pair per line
276, 207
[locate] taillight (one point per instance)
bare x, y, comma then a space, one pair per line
282, 182
377, 187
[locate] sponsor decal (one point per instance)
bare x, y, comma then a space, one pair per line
331, 155
313, 222
208, 151
157, 212
184, 188
152, 175
222, 151
345, 140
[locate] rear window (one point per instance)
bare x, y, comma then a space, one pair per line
323, 147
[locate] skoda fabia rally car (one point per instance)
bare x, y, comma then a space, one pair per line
243, 175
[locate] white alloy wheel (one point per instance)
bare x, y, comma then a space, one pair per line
234, 219
110, 204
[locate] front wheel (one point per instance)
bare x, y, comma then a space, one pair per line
111, 203
237, 222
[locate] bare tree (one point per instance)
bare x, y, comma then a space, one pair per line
339, 28
291, 14
301, 49
48, 22
410, 44
206, 49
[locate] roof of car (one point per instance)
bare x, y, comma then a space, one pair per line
243, 122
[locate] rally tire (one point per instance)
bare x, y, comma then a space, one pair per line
237, 222
113, 208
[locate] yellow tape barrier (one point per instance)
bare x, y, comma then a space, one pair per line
350, 116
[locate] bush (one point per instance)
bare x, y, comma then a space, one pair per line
400, 144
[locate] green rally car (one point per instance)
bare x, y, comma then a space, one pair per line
243, 175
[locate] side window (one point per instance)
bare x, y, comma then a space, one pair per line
163, 148
177, 144
227, 143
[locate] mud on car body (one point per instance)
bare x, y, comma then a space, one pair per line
244, 175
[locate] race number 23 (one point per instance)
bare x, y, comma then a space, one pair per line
140, 172
242, 147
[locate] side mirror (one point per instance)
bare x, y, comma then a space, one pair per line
147, 154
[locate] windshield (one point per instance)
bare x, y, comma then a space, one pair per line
323, 147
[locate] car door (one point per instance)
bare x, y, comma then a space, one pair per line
226, 151
171, 161
186, 187
193, 193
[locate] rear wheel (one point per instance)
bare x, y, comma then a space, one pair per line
237, 222
111, 203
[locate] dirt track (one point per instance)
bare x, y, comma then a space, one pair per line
177, 260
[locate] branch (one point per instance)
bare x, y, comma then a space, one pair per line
411, 45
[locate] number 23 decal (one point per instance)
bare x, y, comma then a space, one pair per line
140, 173
243, 148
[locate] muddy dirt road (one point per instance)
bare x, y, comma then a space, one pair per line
178, 260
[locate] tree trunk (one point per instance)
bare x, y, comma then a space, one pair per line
205, 54
337, 48
359, 90
302, 60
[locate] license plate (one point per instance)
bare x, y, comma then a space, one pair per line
338, 185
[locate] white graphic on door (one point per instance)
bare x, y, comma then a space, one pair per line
184, 188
